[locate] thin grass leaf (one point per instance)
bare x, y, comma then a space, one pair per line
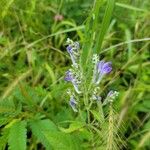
11, 87
105, 24
144, 140
130, 7
90, 31
128, 38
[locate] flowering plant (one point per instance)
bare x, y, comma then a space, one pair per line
75, 76
86, 93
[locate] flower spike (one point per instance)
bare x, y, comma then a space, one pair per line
101, 70
73, 104
72, 49
70, 77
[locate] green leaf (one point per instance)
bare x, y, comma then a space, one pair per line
39, 128
130, 7
7, 106
4, 138
73, 127
61, 141
105, 24
96, 115
6, 4
48, 134
3, 120
90, 31
147, 125
17, 136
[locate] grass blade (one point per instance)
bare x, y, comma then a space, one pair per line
105, 24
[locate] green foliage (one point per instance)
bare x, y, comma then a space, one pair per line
4, 139
40, 128
105, 24
34, 110
17, 136
47, 133
5, 4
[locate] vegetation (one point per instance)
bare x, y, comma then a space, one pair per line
39, 109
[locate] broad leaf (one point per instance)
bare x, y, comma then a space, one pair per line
17, 136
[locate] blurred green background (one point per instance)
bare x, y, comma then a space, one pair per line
33, 58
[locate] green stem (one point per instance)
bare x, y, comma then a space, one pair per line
100, 108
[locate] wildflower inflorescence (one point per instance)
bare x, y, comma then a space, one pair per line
74, 75
73, 50
101, 69
74, 78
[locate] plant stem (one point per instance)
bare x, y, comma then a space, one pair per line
110, 130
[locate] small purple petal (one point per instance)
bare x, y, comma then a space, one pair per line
73, 104
107, 68
69, 76
102, 69
69, 49
100, 66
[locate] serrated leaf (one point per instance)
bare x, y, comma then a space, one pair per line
48, 134
17, 136
3, 120
4, 138
40, 127
7, 105
62, 141
73, 127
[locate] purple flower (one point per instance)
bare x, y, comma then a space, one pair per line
70, 77
71, 53
69, 49
73, 104
58, 17
72, 49
102, 68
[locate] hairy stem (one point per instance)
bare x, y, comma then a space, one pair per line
110, 130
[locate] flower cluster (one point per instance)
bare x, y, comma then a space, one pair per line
111, 96
73, 78
73, 103
101, 68
74, 75
73, 50
95, 95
